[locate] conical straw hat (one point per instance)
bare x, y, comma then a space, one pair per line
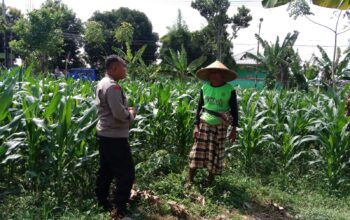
217, 66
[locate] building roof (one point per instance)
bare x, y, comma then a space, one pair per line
246, 61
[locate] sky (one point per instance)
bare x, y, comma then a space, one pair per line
276, 21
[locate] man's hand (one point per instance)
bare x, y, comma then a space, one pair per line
233, 134
195, 131
132, 111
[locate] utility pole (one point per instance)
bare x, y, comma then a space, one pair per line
10, 50
5, 40
257, 52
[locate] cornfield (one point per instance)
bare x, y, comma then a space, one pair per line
47, 132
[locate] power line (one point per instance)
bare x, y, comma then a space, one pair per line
296, 45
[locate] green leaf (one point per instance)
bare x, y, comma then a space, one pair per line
11, 157
13, 144
138, 54
2, 150
274, 3
340, 4
195, 64
6, 100
295, 156
28, 71
40, 123
52, 107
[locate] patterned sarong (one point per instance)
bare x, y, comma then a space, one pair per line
208, 150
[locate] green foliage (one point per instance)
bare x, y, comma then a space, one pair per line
159, 163
94, 33
311, 70
215, 12
179, 36
324, 63
124, 33
40, 37
111, 21
240, 20
299, 8
11, 16
177, 63
48, 147
295, 131
72, 28
278, 60
135, 64
48, 130
274, 3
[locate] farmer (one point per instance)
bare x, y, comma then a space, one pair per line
114, 118
217, 109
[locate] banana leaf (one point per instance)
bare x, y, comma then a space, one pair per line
340, 4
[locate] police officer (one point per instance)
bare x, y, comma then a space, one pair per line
114, 118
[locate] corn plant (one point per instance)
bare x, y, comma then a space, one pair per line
251, 128
333, 151
47, 131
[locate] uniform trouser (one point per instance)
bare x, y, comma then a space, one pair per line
115, 163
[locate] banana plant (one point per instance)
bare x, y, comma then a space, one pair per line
177, 62
277, 58
301, 8
325, 64
124, 35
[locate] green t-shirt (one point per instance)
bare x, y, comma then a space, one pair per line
216, 99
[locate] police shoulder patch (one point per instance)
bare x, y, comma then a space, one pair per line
116, 88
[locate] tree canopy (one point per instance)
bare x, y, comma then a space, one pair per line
11, 16
72, 28
215, 12
108, 24
40, 37
179, 36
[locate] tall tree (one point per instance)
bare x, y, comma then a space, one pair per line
40, 37
6, 32
110, 21
72, 28
240, 20
215, 12
178, 35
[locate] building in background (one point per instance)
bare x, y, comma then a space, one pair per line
250, 75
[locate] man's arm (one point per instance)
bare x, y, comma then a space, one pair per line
115, 102
234, 108
199, 108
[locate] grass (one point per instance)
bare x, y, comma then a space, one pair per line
233, 196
